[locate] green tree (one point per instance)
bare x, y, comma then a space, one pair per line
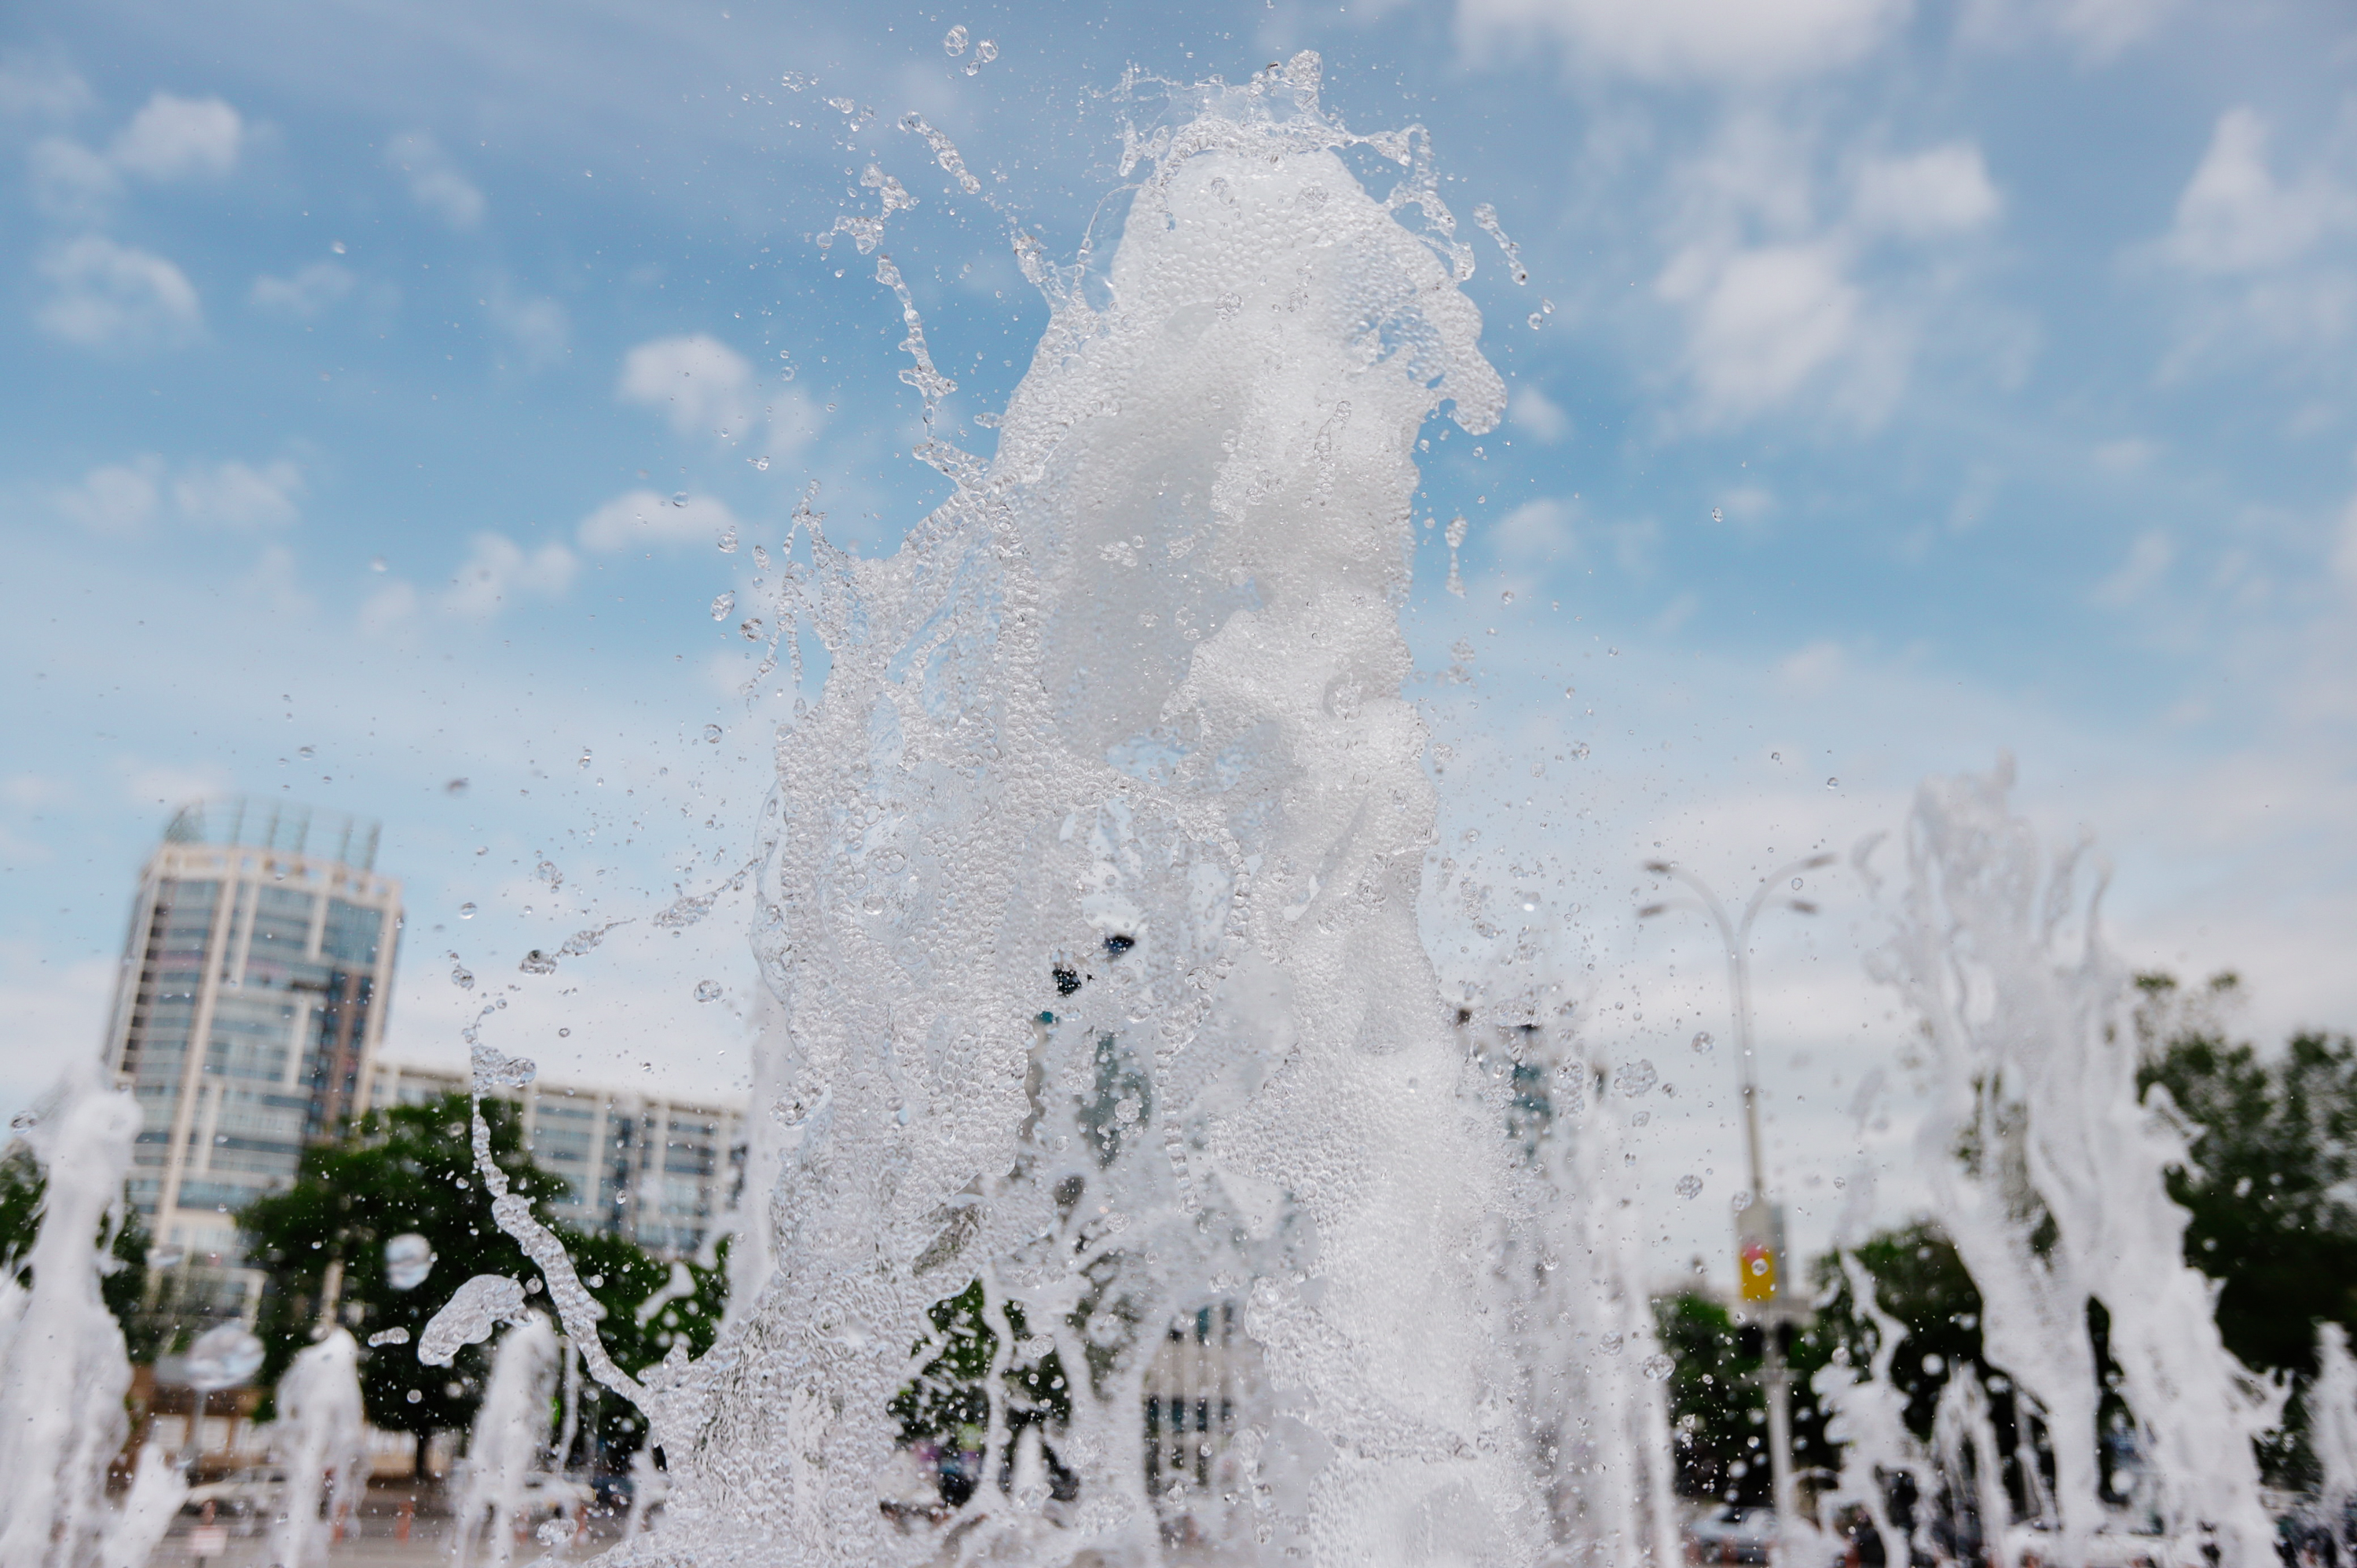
410, 1170
22, 1185
1718, 1407
2267, 1176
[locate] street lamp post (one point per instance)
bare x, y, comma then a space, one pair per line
1737, 937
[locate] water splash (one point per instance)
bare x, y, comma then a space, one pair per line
506, 1446
2035, 1122
1087, 895
63, 1367
321, 1436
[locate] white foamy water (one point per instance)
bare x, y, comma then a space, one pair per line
2035, 1120
63, 1367
1089, 898
321, 1438
508, 1444
1122, 1191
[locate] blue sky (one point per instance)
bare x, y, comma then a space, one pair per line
1909, 381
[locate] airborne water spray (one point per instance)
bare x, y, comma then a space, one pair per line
1087, 897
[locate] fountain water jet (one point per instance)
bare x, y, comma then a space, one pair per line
321, 1437
508, 1443
2035, 1120
63, 1367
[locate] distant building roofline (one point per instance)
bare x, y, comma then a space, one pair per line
284, 825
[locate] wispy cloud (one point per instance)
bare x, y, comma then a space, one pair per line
435, 182
170, 139
306, 295
708, 389
498, 572
644, 518
1683, 41
114, 296
120, 499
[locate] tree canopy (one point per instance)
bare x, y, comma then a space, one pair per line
411, 1169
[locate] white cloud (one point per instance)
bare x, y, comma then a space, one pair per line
125, 497
2128, 455
1536, 531
2096, 30
118, 499
240, 495
2150, 559
114, 296
41, 89
498, 570
433, 182
1812, 668
539, 329
173, 138
702, 384
1735, 40
391, 605
1531, 410
306, 295
69, 180
1762, 321
642, 517
1943, 191
164, 784
2234, 216
275, 584
707, 389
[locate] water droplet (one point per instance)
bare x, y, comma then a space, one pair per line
1659, 1366
1535, 320
680, 498
1717, 515
707, 990
985, 51
1507, 598
466, 911
455, 787
752, 629
563, 1034
1772, 757
728, 540
583, 761
761, 464
1637, 1078
1742, 1201
307, 751
722, 605
1833, 783
337, 246
1579, 751
1689, 1186
711, 734
460, 976
377, 565
1702, 1040
953, 41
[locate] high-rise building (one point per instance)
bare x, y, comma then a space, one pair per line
249, 1005
655, 1169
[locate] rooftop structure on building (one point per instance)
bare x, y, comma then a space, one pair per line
249, 1007
655, 1169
